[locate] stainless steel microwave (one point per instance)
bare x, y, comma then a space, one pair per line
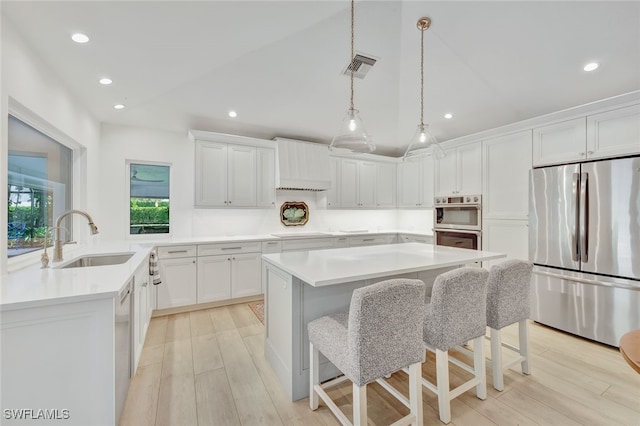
462, 212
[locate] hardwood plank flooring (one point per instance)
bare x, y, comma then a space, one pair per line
208, 368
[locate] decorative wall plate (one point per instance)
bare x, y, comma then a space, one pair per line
294, 213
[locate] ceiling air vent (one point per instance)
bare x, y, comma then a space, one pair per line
360, 65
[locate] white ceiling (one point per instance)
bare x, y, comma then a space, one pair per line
182, 65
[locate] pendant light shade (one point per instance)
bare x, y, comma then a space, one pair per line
423, 141
352, 135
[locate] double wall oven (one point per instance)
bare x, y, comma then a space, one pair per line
458, 221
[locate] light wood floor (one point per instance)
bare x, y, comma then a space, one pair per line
207, 368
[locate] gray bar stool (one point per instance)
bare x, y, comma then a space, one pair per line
381, 334
455, 315
507, 303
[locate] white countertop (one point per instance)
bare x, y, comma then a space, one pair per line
33, 286
334, 266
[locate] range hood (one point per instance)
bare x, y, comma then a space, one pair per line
302, 165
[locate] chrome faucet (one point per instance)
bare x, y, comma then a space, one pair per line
57, 247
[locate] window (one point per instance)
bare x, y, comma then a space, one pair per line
149, 199
39, 187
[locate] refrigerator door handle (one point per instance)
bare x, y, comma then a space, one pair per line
584, 219
576, 220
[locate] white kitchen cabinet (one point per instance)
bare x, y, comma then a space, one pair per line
307, 244
333, 193
141, 311
266, 177
357, 187
614, 133
505, 176
415, 182
211, 174
214, 278
229, 175
385, 185
562, 142
460, 171
371, 240
178, 275
241, 176
229, 270
505, 236
410, 238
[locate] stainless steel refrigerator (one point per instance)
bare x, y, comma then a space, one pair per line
584, 239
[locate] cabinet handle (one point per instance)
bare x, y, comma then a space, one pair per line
589, 152
233, 258
229, 202
369, 239
272, 243
225, 202
193, 261
177, 251
145, 284
228, 258
581, 154
231, 248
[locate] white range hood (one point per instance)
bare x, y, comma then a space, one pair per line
302, 165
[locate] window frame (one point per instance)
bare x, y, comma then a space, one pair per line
78, 171
127, 192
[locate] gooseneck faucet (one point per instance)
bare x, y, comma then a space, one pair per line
57, 247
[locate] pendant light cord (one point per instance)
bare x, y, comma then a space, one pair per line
352, 37
422, 78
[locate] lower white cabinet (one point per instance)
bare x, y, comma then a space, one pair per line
141, 311
371, 240
178, 286
228, 276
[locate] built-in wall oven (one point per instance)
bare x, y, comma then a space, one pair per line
458, 221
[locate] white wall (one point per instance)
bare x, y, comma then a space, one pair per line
29, 87
122, 143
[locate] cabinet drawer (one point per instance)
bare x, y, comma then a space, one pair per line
271, 247
309, 244
342, 242
416, 239
229, 248
371, 240
171, 252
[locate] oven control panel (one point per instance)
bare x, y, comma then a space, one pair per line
459, 199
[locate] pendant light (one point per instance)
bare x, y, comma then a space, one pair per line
352, 135
423, 141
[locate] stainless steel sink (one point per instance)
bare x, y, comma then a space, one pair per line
98, 260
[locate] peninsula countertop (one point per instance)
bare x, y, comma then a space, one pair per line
339, 265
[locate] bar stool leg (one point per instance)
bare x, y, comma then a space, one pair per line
314, 379
523, 335
359, 405
496, 358
415, 392
442, 376
479, 367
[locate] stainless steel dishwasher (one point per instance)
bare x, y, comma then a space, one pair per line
122, 346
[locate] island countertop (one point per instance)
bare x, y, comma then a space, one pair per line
334, 266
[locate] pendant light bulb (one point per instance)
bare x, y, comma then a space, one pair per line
352, 125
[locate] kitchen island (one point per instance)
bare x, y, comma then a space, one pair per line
305, 285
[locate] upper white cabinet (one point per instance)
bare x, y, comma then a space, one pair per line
560, 142
333, 193
415, 182
505, 176
266, 177
614, 133
357, 183
460, 171
385, 185
608, 134
240, 174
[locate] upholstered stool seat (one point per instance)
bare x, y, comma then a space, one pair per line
508, 298
456, 314
381, 334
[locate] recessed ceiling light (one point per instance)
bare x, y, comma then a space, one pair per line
233, 114
79, 38
591, 66
106, 81
118, 106
448, 115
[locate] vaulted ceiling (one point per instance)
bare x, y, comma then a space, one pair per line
183, 65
